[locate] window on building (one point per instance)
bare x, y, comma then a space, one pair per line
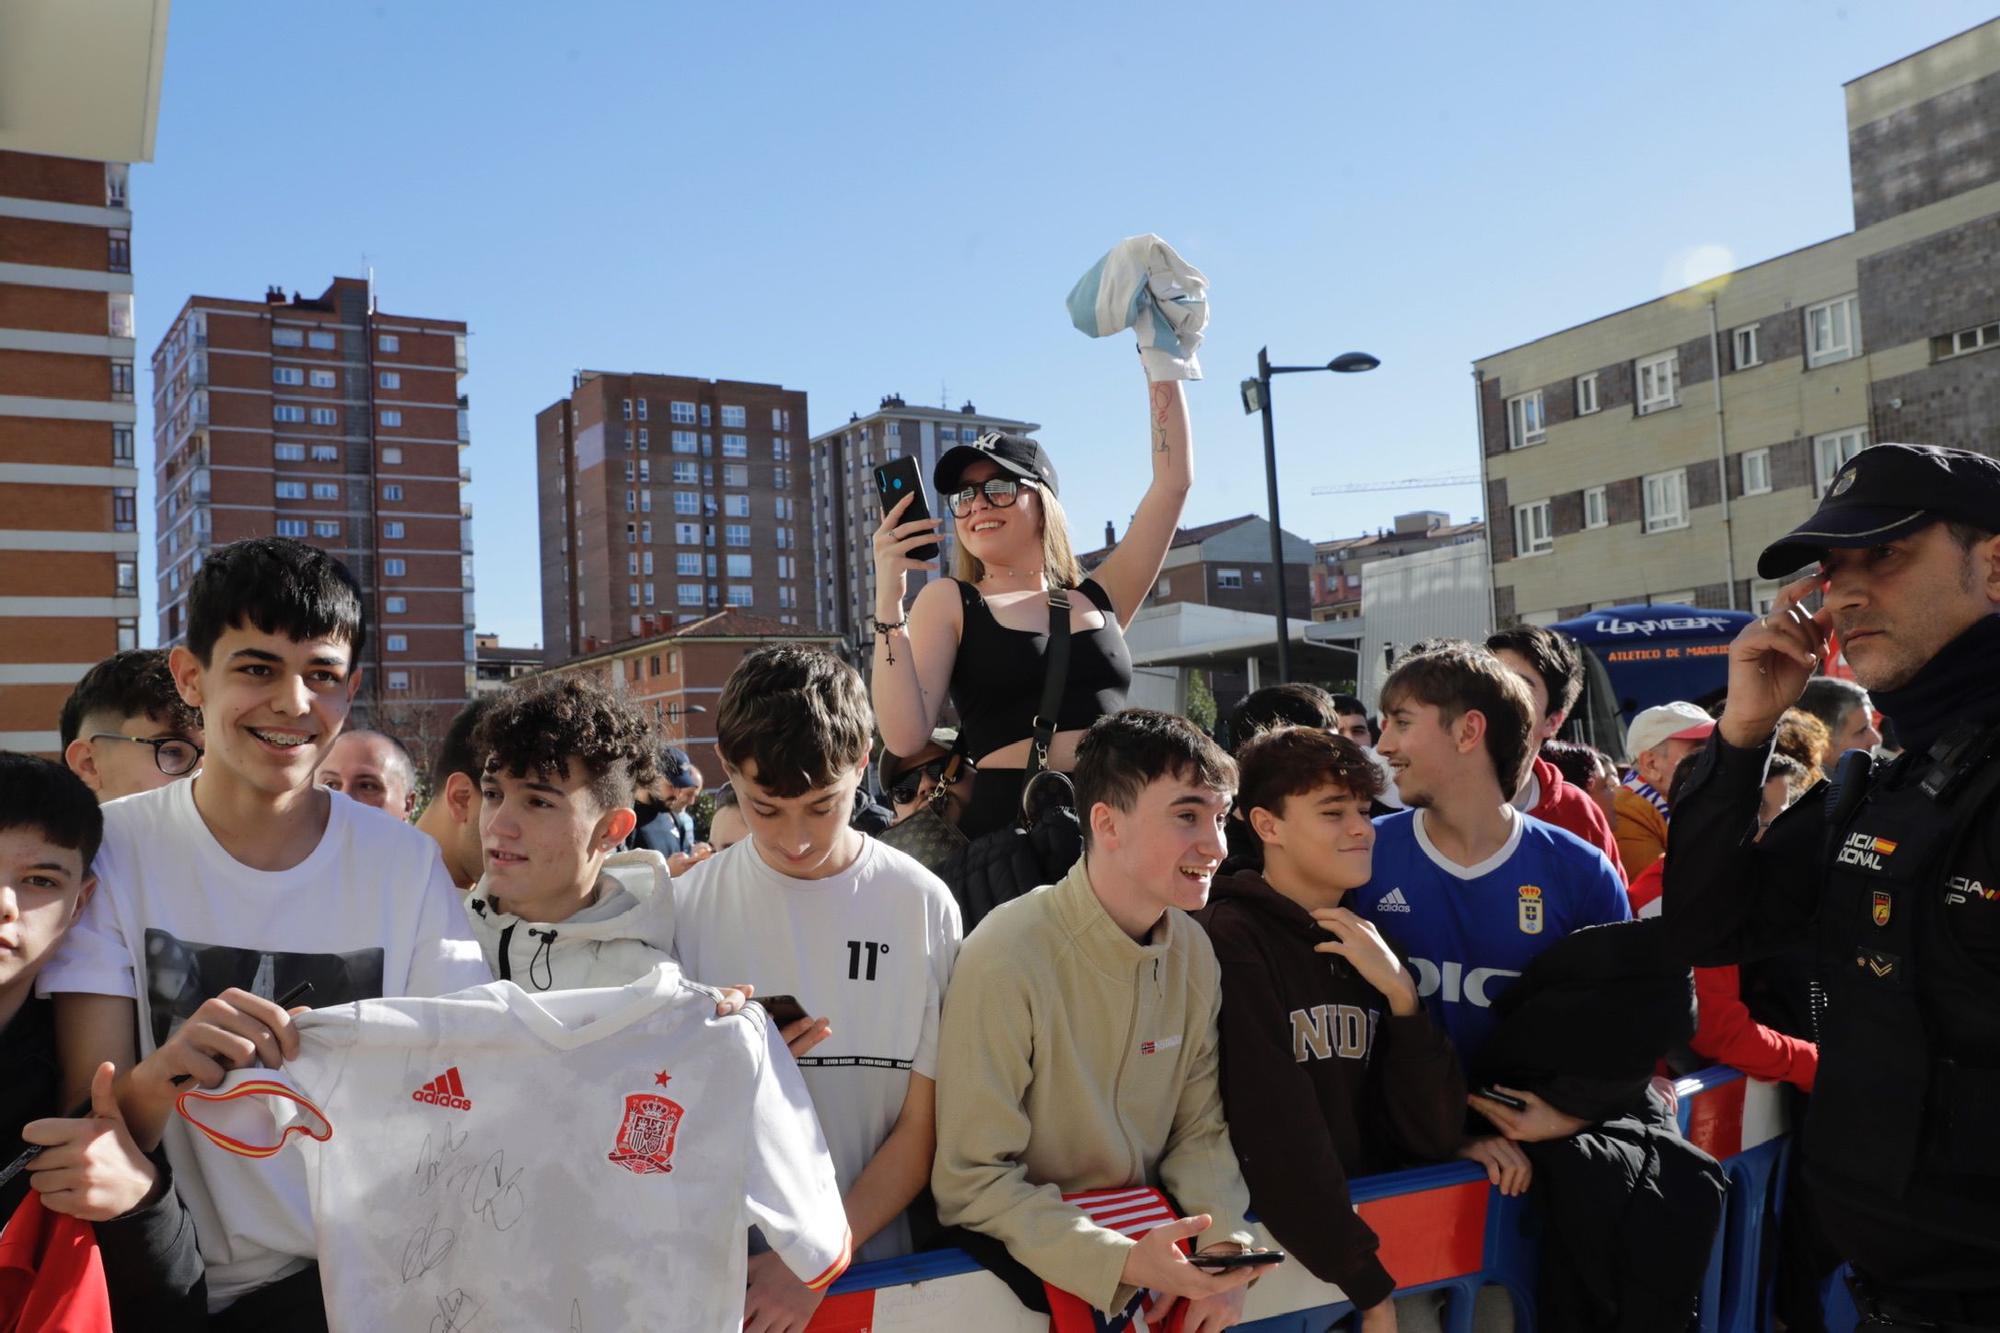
326, 453
1659, 382
288, 375
1744, 343
625, 408
291, 490
739, 567
1764, 595
1525, 424
321, 339
1833, 330
326, 490
396, 606
687, 502
735, 474
631, 470
736, 446
389, 342
684, 442
645, 469
1586, 394
392, 491
324, 379
1666, 500
688, 594
645, 440
646, 532
124, 509
326, 527
326, 416
1596, 508
128, 576
394, 567
292, 527
393, 530
681, 413
1534, 532
399, 680
737, 534
1966, 340
1756, 471
687, 534
289, 453
121, 381
390, 379
687, 564
392, 454
646, 563
687, 473
1228, 578
287, 337
649, 592
1831, 451
118, 258
736, 506
631, 594
631, 562
284, 412
734, 416
742, 596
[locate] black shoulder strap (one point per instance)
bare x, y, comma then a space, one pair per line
968, 596
1053, 681
1843, 796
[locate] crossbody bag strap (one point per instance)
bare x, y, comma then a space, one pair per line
1055, 678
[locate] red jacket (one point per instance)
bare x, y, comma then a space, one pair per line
1570, 807
1724, 1030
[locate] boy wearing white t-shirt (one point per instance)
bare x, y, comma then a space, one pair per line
862, 935
218, 894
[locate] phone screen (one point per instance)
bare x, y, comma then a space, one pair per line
785, 1010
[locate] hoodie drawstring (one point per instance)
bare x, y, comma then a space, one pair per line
547, 979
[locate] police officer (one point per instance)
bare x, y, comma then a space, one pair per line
1892, 872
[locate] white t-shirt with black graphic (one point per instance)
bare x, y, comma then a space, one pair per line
177, 920
870, 949
578, 1159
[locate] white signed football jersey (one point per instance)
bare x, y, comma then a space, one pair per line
582, 1160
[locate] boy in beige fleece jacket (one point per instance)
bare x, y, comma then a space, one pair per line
1079, 1046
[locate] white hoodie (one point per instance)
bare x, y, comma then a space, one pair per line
612, 942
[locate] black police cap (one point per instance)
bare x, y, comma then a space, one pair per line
1890, 491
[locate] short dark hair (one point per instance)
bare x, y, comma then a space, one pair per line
801, 713
725, 796
1457, 678
1553, 656
1831, 699
1788, 768
135, 683
1347, 705
276, 585
457, 753
1284, 762
1293, 703
1124, 753
43, 795
544, 724
1577, 762
1967, 535
399, 753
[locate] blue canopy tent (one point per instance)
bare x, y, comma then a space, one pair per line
1638, 656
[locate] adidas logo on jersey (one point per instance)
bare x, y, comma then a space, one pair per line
444, 1090
1393, 901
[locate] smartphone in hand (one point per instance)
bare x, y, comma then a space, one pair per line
1223, 1263
785, 1010
895, 479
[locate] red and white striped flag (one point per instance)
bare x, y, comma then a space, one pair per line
1130, 1212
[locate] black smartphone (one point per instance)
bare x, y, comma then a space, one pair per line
785, 1010
1222, 1263
894, 480
1505, 1099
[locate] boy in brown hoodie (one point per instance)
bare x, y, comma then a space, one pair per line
1330, 1068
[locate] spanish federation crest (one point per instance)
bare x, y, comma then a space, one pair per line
1531, 910
1879, 908
1843, 482
646, 1136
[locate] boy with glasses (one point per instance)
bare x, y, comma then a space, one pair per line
124, 728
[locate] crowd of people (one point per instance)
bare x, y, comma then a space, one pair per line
650, 1073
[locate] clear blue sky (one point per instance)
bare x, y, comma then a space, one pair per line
860, 199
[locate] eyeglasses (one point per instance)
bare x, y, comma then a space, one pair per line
171, 754
1000, 492
907, 785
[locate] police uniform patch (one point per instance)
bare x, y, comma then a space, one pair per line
1880, 907
1843, 482
1531, 909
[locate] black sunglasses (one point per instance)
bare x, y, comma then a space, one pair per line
909, 783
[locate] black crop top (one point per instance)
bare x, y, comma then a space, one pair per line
996, 681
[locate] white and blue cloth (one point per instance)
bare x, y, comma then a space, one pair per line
1144, 286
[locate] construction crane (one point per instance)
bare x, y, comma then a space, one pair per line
1400, 484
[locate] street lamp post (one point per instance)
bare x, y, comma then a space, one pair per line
1257, 398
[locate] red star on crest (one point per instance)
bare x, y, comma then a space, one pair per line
661, 1078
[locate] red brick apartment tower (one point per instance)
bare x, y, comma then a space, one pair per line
69, 539
325, 419
665, 499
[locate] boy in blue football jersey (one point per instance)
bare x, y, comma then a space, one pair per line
1469, 886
